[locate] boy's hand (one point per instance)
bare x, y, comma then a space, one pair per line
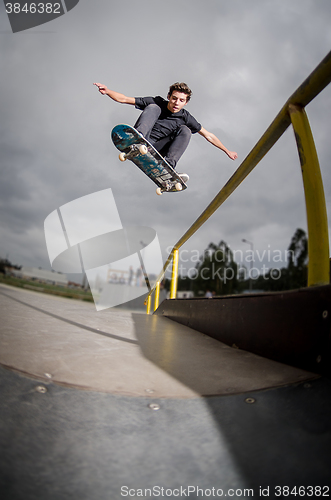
232, 155
102, 88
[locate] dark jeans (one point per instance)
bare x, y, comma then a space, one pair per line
170, 147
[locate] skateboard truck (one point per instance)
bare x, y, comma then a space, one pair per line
168, 187
135, 149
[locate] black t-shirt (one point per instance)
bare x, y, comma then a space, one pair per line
168, 122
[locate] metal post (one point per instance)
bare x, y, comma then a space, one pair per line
318, 238
157, 296
174, 275
148, 304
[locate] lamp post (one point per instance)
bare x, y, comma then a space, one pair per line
251, 262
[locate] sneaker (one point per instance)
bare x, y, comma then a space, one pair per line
184, 177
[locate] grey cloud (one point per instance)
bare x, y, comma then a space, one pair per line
242, 60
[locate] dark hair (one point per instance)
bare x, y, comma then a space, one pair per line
180, 87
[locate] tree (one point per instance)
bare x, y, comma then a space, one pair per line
216, 271
295, 274
297, 260
4, 263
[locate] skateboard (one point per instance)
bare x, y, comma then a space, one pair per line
134, 147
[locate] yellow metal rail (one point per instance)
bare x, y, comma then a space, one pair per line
318, 240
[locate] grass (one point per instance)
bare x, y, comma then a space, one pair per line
61, 291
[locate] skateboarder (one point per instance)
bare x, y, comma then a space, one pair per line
166, 124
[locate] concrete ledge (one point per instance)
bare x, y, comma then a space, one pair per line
291, 327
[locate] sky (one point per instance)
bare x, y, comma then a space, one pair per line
241, 58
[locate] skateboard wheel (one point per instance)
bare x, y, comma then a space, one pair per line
159, 191
122, 156
143, 149
178, 186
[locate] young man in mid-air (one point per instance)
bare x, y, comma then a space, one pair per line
166, 124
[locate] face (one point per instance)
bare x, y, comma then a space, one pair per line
177, 101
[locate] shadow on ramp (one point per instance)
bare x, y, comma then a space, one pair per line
204, 365
276, 429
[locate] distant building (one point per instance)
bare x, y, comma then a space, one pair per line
36, 274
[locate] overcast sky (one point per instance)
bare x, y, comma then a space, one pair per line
241, 58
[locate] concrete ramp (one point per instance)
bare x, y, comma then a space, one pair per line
70, 343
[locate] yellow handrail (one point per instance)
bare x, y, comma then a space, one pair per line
174, 276
157, 295
318, 254
317, 219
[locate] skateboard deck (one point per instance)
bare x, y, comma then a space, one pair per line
134, 147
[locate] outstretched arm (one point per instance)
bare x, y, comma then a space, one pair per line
216, 142
116, 96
